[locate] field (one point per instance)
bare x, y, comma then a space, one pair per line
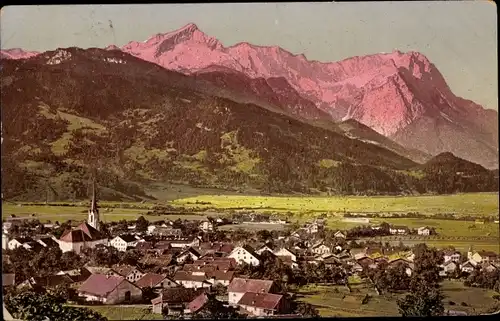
477, 204
125, 312
253, 227
336, 301
109, 212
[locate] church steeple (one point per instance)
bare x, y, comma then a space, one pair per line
94, 218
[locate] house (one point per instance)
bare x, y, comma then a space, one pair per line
484, 256
77, 275
262, 304
131, 273
18, 241
161, 261
488, 267
8, 279
195, 280
245, 254
286, 252
175, 300
220, 277
264, 248
164, 231
468, 266
219, 248
239, 286
156, 281
452, 255
423, 231
182, 242
207, 226
82, 237
339, 235
109, 289
143, 246
49, 281
97, 269
198, 303
223, 264
448, 267
321, 248
399, 230
188, 253
48, 242
357, 268
122, 242
408, 265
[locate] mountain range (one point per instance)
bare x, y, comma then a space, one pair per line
182, 108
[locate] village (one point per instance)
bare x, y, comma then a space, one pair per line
177, 268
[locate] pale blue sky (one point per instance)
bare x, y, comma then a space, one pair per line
459, 37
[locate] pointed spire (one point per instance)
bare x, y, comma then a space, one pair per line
93, 206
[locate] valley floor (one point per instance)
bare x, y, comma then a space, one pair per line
458, 233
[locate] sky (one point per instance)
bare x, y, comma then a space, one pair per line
459, 37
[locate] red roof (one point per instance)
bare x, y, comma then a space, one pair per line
82, 233
177, 295
124, 270
221, 275
150, 279
198, 303
198, 268
188, 276
101, 285
261, 300
241, 285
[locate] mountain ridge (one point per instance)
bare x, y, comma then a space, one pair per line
390, 93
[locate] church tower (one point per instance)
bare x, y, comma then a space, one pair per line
94, 218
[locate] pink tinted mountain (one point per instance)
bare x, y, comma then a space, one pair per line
402, 96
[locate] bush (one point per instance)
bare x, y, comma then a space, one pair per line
464, 304
451, 303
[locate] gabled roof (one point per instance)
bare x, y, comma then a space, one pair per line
101, 285
241, 285
23, 239
48, 241
198, 268
51, 280
198, 303
156, 260
128, 238
192, 251
150, 279
177, 295
260, 300
221, 275
82, 233
98, 269
188, 276
124, 270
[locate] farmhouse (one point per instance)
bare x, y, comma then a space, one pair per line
122, 242
321, 248
286, 252
190, 253
424, 231
264, 248
398, 230
245, 254
339, 235
156, 281
207, 226
452, 255
262, 304
484, 256
109, 290
239, 286
19, 241
130, 273
175, 300
468, 266
447, 268
195, 280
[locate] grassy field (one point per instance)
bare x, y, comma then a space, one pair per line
79, 213
336, 301
125, 313
466, 204
253, 227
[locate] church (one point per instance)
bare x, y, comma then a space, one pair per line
85, 235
